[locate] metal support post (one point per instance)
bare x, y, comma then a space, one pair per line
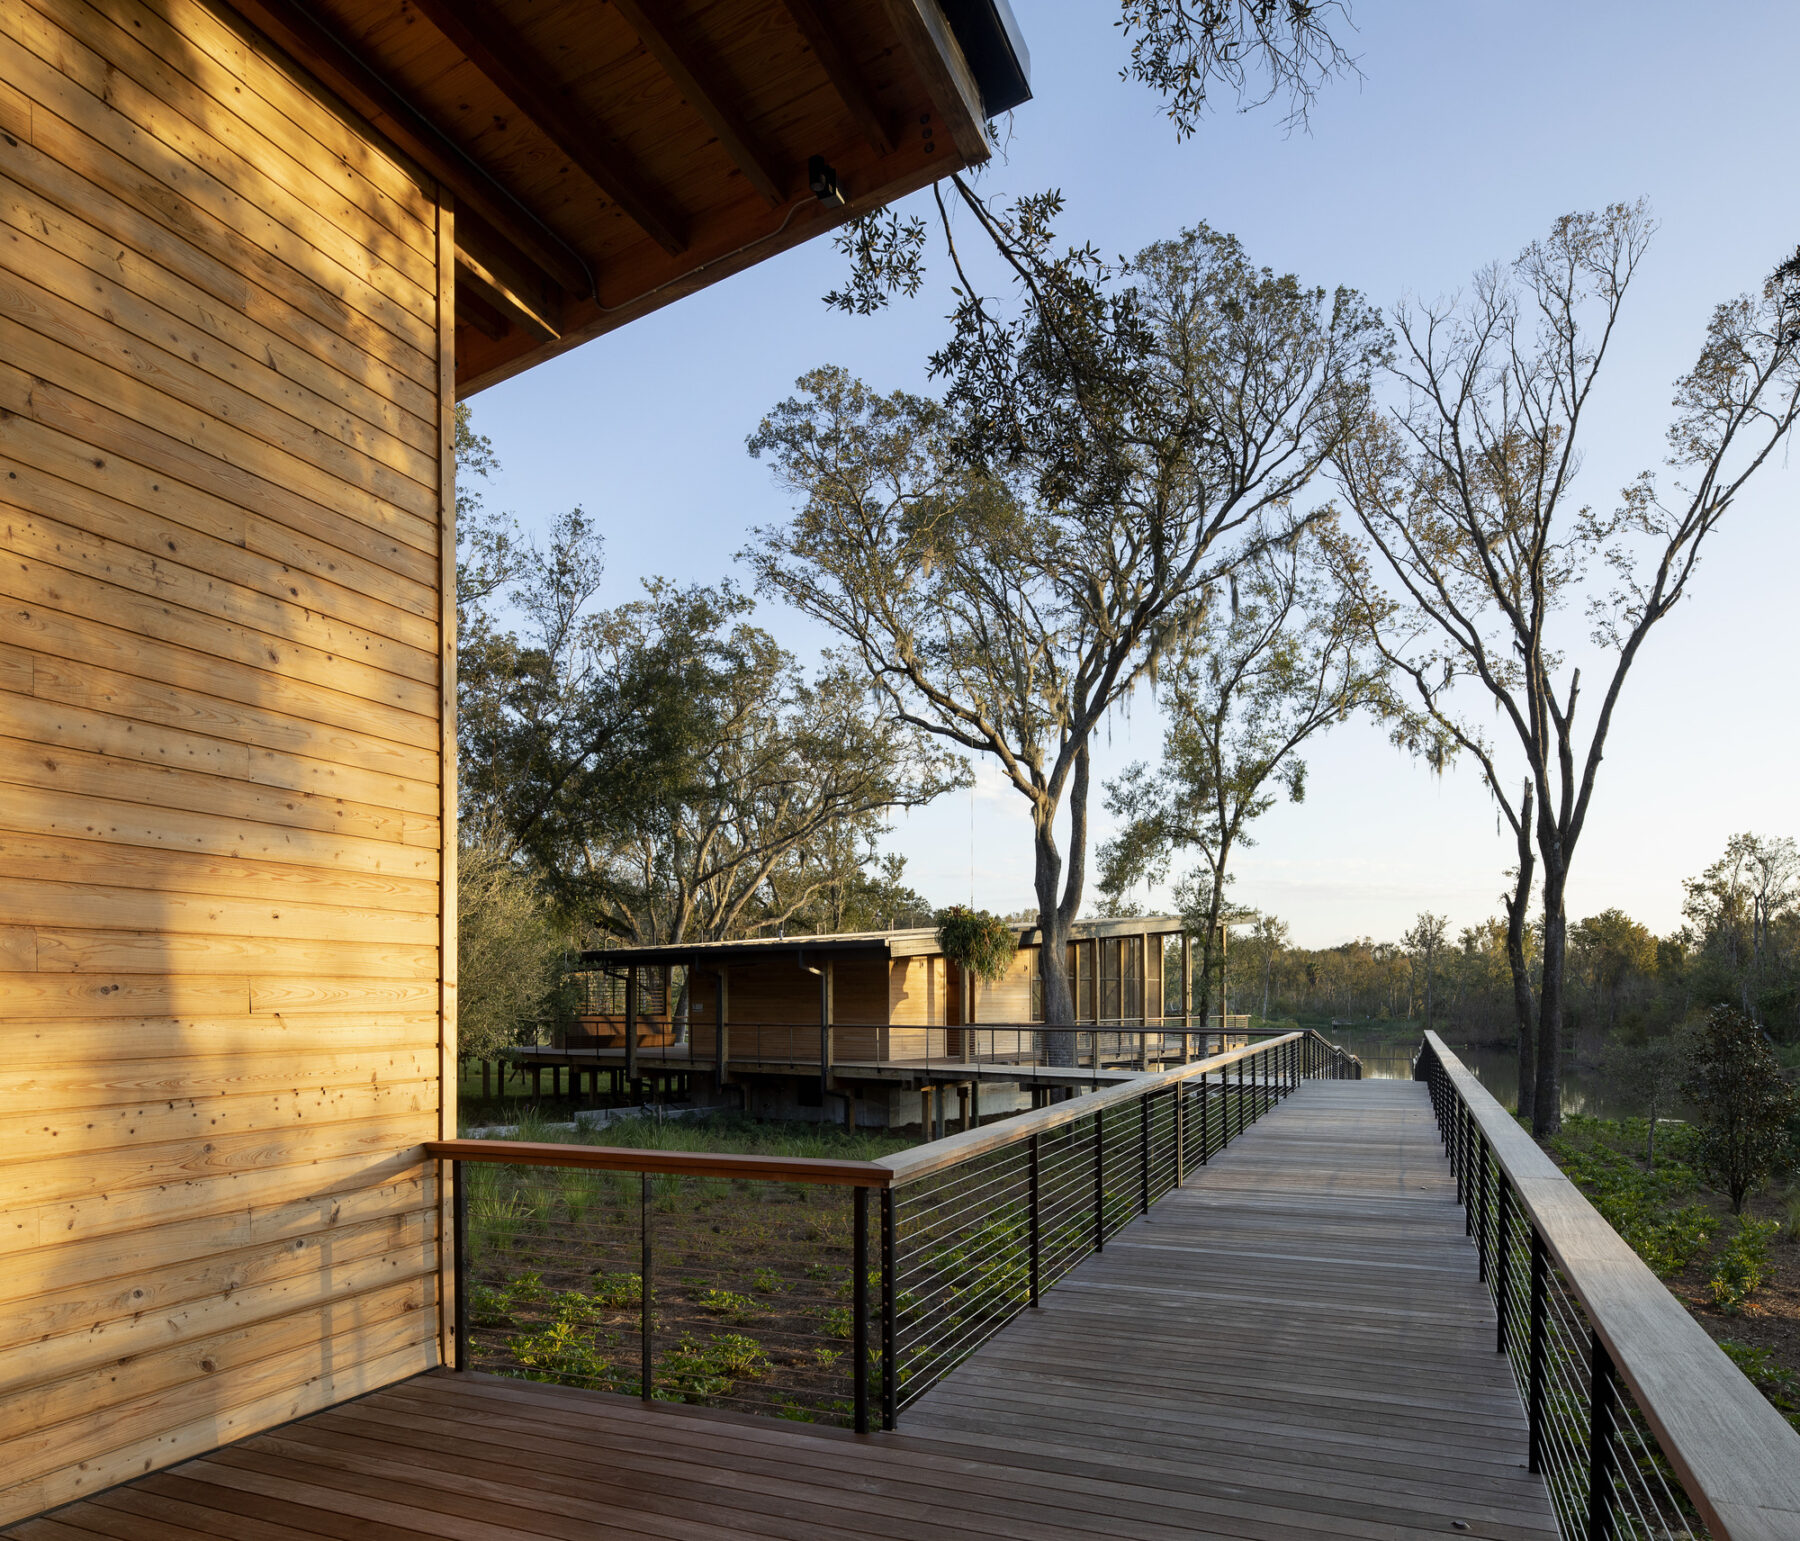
1534, 1375
459, 1243
1502, 1259
631, 1016
1100, 1181
1480, 1154
1602, 1396
1143, 1155
889, 1391
859, 1305
1035, 1234
1181, 1100
646, 1291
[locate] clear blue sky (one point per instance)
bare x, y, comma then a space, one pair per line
1473, 126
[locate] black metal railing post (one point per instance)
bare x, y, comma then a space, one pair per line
1481, 1200
889, 1386
1035, 1232
1502, 1259
859, 1306
1206, 1118
1602, 1395
1100, 1180
459, 1260
1534, 1375
1181, 1102
1143, 1155
646, 1291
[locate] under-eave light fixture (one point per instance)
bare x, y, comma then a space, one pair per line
823, 180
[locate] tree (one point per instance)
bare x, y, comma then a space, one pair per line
509, 947
1424, 942
1242, 692
1613, 950
667, 768
1009, 564
1735, 1083
1465, 488
1648, 1075
1740, 902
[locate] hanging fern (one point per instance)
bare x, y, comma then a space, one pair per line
981, 943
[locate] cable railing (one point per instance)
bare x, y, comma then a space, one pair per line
976, 1226
1639, 1424
778, 1285
1108, 1047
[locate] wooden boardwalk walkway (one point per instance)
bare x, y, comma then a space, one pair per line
1292, 1346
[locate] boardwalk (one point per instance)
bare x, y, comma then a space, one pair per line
1292, 1346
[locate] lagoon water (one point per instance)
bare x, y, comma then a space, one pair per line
1387, 1054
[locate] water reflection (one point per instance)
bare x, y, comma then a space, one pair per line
1388, 1055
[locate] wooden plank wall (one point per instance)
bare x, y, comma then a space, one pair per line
225, 337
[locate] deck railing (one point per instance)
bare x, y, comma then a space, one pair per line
778, 1285
1638, 1422
976, 1226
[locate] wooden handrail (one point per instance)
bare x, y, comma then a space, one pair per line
903, 1166
675, 1163
1734, 1454
953, 1150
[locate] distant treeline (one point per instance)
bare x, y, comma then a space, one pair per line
1739, 944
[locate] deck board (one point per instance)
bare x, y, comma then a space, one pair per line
1293, 1345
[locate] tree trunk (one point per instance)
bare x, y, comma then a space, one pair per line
1516, 916
1546, 1111
1057, 910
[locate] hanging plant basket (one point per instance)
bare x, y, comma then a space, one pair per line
982, 944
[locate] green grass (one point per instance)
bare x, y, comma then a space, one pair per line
733, 1134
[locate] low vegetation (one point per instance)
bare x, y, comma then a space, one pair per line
750, 1282
1739, 1274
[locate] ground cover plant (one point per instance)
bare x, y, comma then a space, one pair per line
750, 1281
1739, 1275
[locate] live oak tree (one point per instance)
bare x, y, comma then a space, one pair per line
1466, 490
665, 767
1242, 692
1008, 563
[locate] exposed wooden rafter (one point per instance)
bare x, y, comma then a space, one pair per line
497, 53
707, 94
299, 32
846, 79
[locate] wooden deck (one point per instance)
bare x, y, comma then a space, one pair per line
1294, 1345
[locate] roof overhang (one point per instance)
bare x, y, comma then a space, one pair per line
915, 942
606, 157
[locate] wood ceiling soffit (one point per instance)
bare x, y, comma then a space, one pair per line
476, 189
476, 312
845, 78
497, 53
707, 94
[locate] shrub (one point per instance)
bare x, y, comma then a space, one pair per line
1735, 1082
733, 1307
1742, 1266
561, 1351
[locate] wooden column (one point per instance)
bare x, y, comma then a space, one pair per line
721, 1031
631, 1022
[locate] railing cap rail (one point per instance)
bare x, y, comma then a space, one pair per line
1735, 1455
677, 1163
923, 1160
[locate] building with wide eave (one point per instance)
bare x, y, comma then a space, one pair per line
253, 254
879, 1028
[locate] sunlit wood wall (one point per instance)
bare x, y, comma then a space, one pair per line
225, 335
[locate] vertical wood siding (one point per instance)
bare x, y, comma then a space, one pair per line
225, 691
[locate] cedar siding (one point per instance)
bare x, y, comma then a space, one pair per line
225, 337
